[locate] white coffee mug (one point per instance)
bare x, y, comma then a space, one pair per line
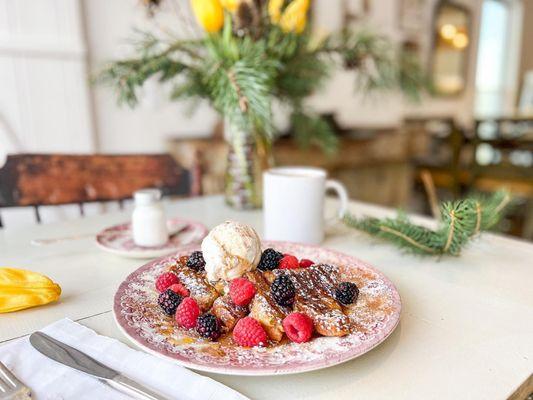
293, 203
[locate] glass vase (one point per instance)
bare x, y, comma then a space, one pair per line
248, 156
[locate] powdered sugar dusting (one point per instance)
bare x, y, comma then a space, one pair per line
372, 319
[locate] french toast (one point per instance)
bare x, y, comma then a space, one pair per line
314, 297
314, 288
228, 313
199, 288
219, 338
264, 309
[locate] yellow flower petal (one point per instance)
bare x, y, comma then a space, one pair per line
274, 10
294, 17
230, 5
21, 289
209, 14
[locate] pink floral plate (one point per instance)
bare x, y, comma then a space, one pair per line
374, 316
118, 239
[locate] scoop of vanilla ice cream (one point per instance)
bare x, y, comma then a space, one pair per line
230, 250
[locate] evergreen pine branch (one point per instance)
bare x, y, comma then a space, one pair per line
128, 75
240, 82
241, 74
494, 209
461, 221
302, 71
301, 76
310, 129
411, 77
379, 65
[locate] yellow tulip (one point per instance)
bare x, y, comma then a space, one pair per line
209, 14
294, 17
230, 5
274, 10
21, 289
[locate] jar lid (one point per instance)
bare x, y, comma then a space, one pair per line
147, 196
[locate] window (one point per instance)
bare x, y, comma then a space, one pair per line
493, 58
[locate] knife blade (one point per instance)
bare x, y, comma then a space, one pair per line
73, 358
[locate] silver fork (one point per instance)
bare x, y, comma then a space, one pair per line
10, 387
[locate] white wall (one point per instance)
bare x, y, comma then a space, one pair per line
110, 23
44, 97
120, 129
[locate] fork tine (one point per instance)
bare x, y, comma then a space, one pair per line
4, 386
10, 386
8, 375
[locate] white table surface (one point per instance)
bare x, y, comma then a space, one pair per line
466, 330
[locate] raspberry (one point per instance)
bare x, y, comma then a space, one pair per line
249, 333
283, 290
196, 261
179, 289
241, 291
305, 263
208, 326
164, 281
298, 327
346, 293
169, 301
187, 313
288, 262
269, 260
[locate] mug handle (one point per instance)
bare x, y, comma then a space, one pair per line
342, 194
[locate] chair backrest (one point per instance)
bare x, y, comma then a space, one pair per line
445, 149
55, 179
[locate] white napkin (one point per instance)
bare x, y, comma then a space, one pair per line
49, 380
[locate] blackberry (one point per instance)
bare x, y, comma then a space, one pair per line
346, 293
196, 261
269, 260
208, 326
169, 301
283, 290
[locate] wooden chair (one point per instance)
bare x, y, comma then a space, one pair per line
57, 179
445, 154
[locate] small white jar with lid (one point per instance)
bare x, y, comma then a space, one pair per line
149, 224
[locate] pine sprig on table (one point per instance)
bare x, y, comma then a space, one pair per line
460, 221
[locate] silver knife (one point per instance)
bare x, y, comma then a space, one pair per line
69, 356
